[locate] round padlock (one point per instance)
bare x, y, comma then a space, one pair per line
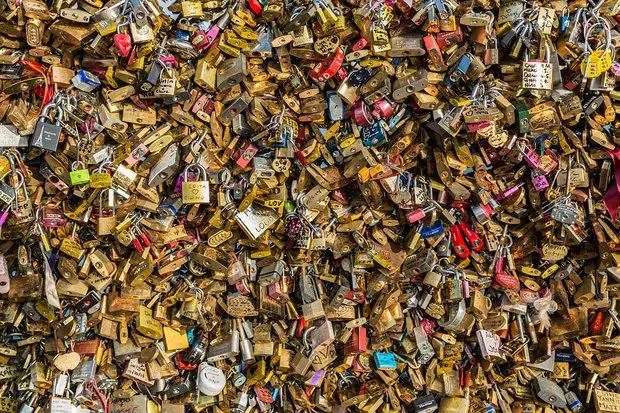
210, 380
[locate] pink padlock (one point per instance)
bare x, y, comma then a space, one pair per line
506, 280
216, 29
418, 214
508, 192
4, 216
532, 158
383, 108
169, 61
199, 40
539, 181
362, 114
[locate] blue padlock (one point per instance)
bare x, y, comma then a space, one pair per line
373, 135
385, 361
458, 71
432, 231
335, 107
183, 35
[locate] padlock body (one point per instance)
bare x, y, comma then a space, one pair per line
196, 192
46, 136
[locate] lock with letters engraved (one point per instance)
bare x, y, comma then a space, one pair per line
195, 192
23, 211
140, 33
224, 347
539, 181
101, 177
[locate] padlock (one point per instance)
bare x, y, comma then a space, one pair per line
79, 176
47, 135
537, 75
210, 380
106, 224
539, 181
140, 34
549, 392
101, 178
122, 41
23, 211
227, 346
195, 192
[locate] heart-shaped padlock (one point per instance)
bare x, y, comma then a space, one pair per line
122, 44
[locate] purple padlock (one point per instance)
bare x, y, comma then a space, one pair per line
52, 217
179, 185
169, 60
539, 181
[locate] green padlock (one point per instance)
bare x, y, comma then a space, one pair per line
289, 206
523, 116
79, 176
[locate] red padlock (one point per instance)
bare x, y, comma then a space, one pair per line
122, 41
328, 68
458, 242
256, 7
200, 40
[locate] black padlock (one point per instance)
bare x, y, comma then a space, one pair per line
89, 303
424, 404
152, 79
197, 351
176, 389
46, 135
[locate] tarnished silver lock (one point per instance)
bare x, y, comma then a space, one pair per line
231, 72
420, 262
166, 167
271, 274
549, 392
141, 34
566, 213
225, 347
322, 337
425, 350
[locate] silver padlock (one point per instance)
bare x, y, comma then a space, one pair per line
425, 350
549, 392
227, 346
